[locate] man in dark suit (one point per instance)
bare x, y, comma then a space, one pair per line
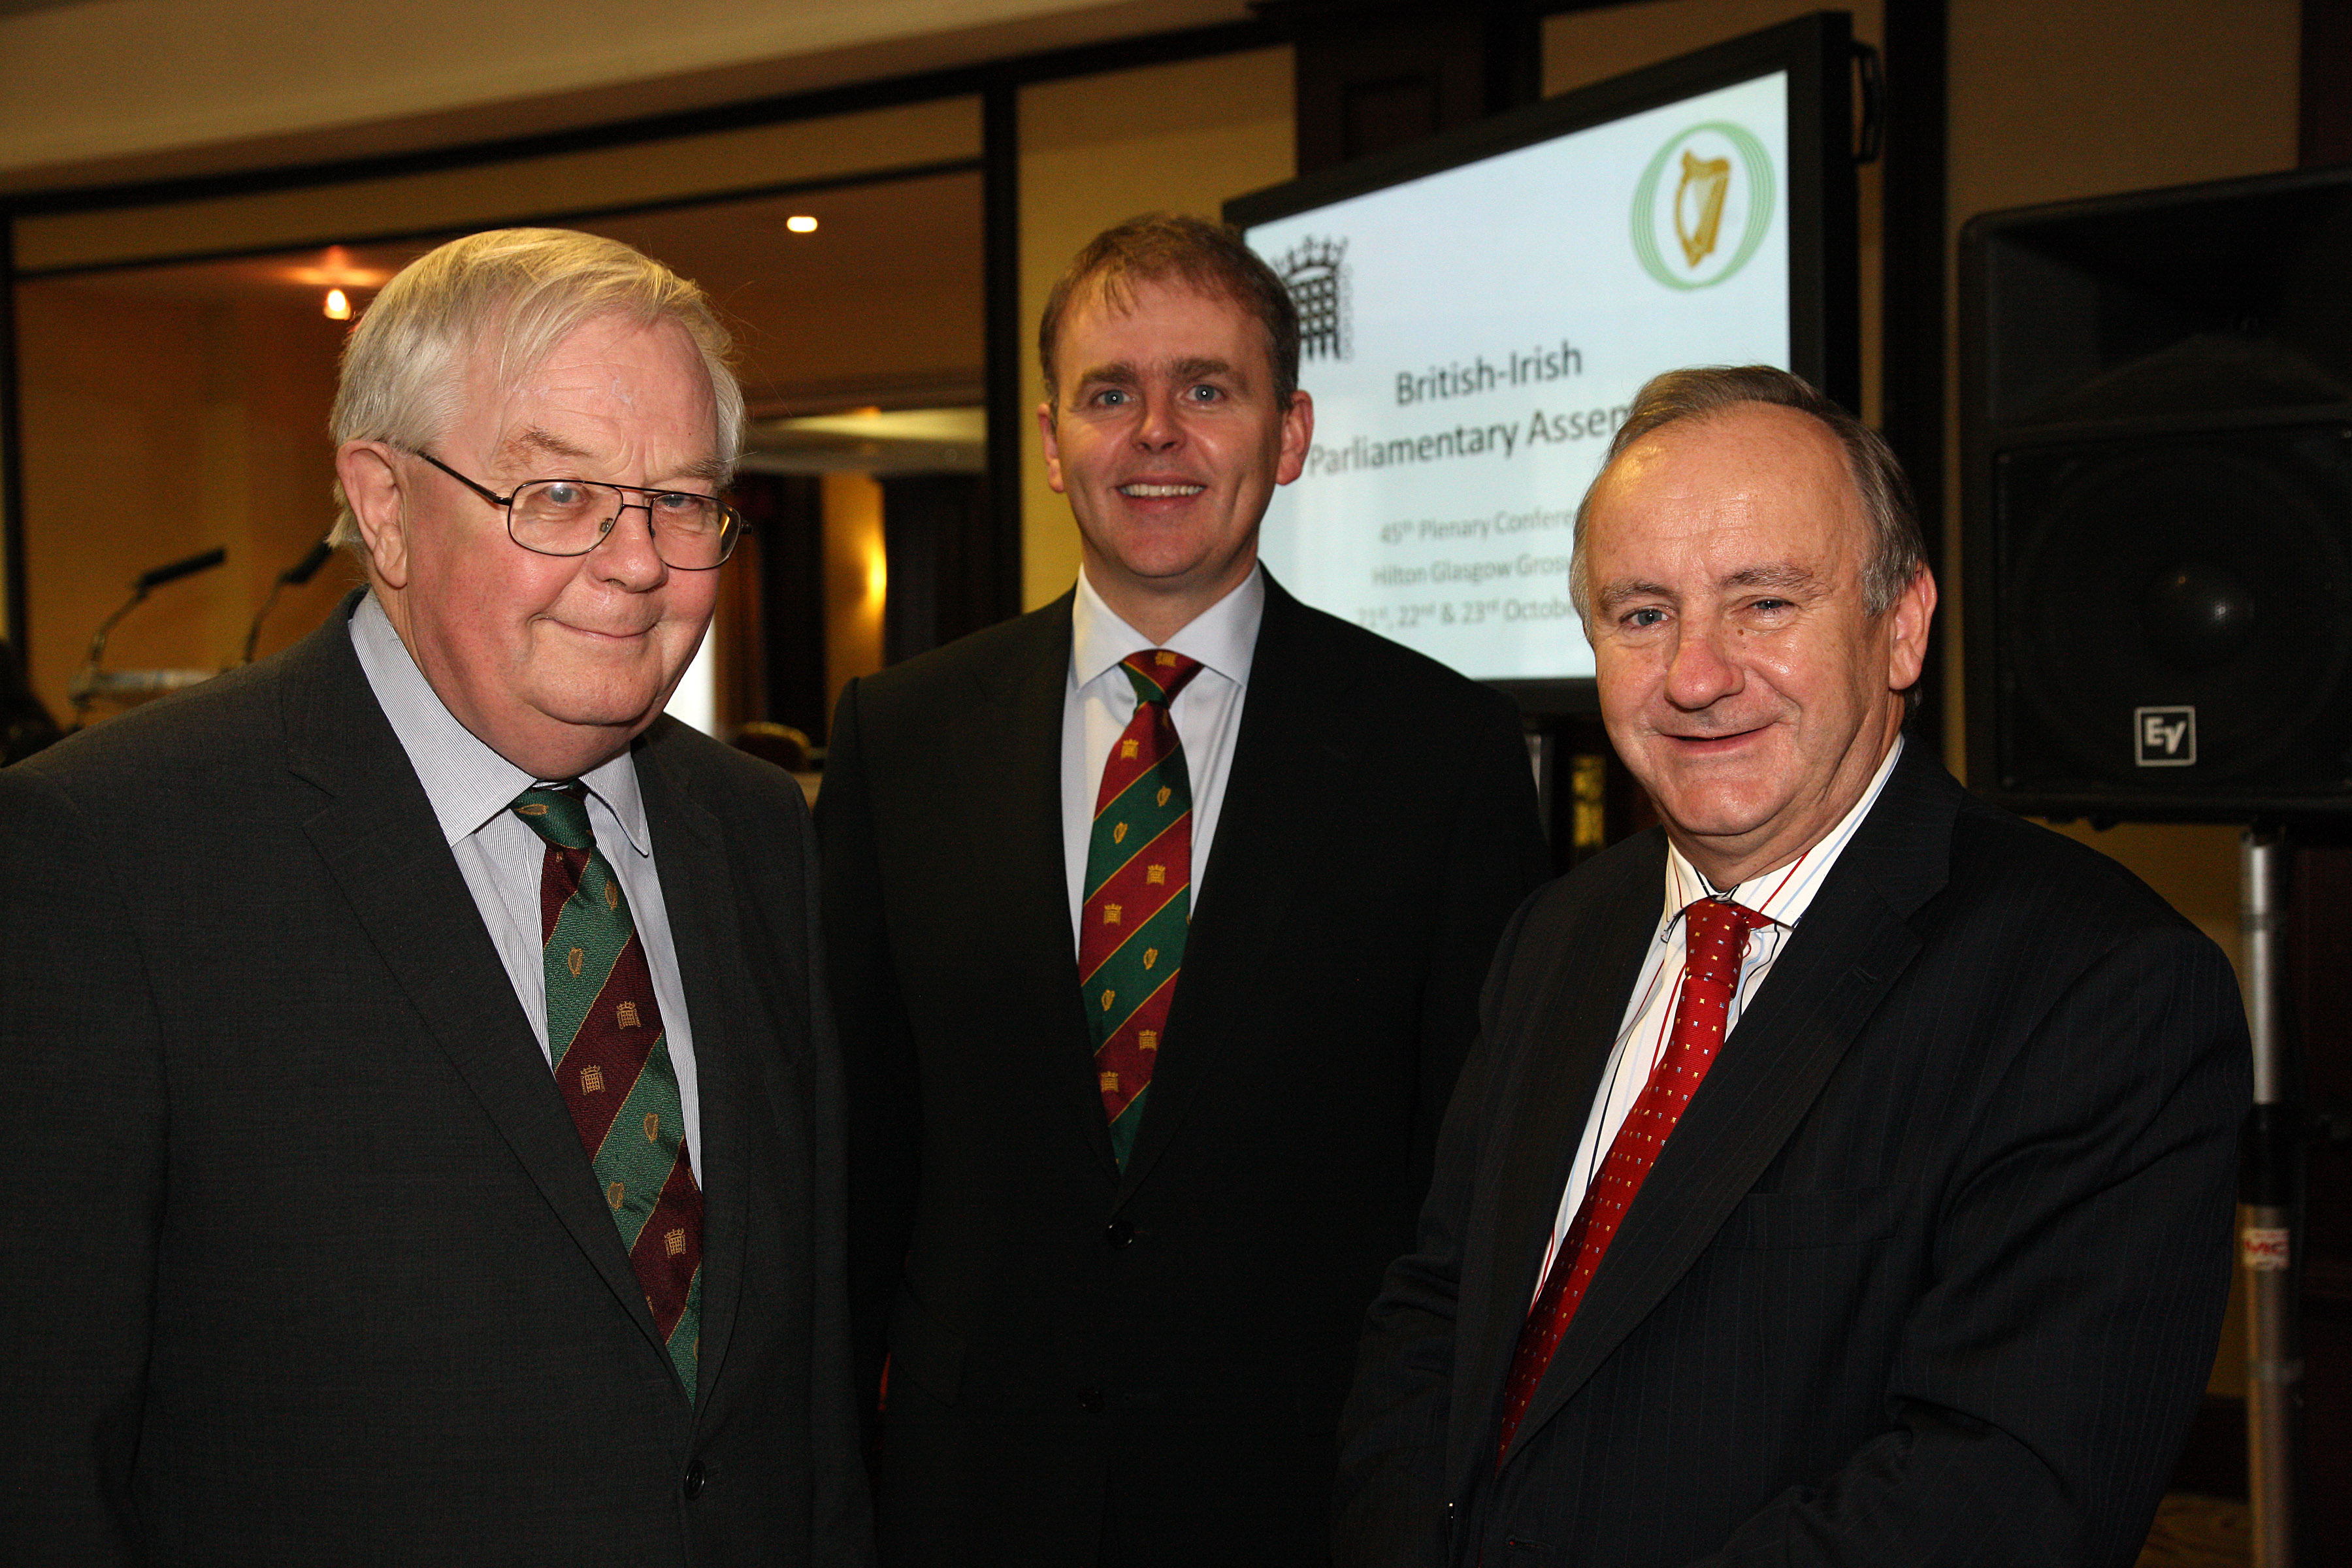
1152, 1005
316, 1260
1864, 1198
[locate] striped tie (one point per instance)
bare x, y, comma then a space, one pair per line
612, 1063
1138, 892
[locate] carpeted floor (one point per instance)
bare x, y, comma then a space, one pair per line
2199, 1532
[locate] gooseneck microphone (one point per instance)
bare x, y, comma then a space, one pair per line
294, 576
156, 576
90, 683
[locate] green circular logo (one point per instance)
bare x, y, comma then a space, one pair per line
1698, 218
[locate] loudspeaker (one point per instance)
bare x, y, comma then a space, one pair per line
2157, 502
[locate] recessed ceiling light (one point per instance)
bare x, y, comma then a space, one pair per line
801, 223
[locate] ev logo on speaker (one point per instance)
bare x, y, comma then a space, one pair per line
2166, 737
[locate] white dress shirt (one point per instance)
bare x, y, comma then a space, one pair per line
1783, 895
470, 788
1100, 701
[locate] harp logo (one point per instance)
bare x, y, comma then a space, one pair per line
1316, 273
1703, 206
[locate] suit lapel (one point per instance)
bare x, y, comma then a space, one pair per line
1848, 950
1016, 750
378, 837
698, 882
1571, 1013
1295, 735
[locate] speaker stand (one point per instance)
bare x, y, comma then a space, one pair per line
2266, 1207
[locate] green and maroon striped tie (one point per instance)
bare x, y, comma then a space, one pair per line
1138, 891
612, 1064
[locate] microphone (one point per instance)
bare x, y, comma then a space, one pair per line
90, 683
155, 577
302, 571
294, 576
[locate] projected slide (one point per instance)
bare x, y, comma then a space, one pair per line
1472, 339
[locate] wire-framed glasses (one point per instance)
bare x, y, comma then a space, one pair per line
691, 532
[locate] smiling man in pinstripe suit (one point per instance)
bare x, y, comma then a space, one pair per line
1845, 1172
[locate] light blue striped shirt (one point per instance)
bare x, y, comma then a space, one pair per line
470, 787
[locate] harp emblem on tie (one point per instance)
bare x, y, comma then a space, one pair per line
572, 960
653, 1126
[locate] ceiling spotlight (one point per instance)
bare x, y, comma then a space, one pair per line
801, 223
339, 305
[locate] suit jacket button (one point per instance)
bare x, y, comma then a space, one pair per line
694, 1479
1090, 1399
1118, 1233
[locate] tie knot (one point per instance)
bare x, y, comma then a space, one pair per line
558, 813
1709, 923
1157, 674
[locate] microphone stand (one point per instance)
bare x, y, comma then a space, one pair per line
90, 683
294, 576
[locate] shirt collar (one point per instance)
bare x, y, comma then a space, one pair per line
1785, 893
1223, 636
466, 783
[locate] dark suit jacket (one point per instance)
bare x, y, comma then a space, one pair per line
1149, 1365
1929, 1272
307, 1264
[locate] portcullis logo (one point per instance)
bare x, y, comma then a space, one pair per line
1316, 273
1703, 205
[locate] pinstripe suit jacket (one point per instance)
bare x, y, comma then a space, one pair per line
1929, 1272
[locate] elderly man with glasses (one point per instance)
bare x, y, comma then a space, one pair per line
426, 1115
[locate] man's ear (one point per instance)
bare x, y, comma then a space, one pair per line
1297, 436
1053, 442
1912, 612
373, 490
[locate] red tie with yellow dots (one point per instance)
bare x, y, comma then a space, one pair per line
1138, 891
1714, 933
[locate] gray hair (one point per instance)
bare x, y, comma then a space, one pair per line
512, 295
1897, 553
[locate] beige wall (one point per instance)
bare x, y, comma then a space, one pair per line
153, 430
1099, 149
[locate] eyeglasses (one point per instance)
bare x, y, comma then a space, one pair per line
691, 532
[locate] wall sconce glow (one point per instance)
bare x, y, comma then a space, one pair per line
339, 305
878, 577
801, 224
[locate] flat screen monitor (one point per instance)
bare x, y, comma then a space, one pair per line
1478, 310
